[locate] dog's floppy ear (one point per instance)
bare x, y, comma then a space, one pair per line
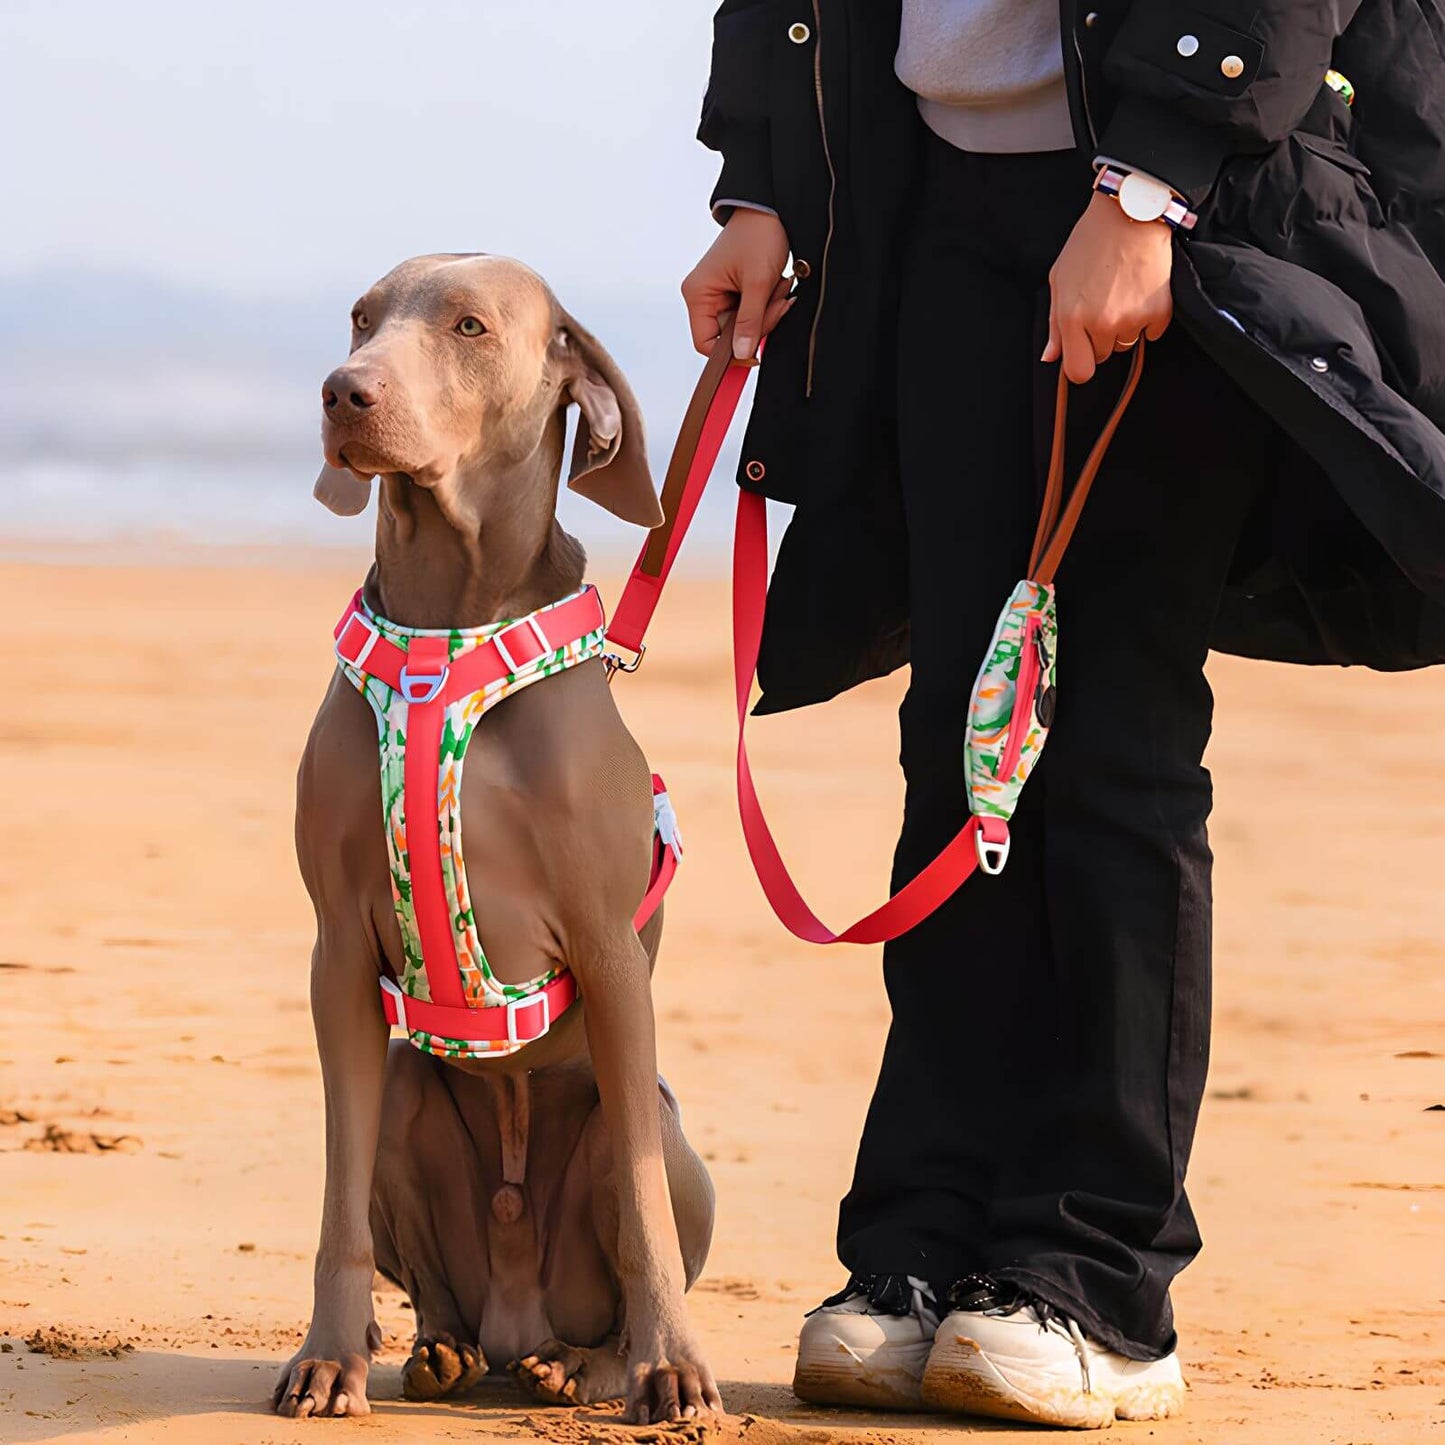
609, 459
341, 491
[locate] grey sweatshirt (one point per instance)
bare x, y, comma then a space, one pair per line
989, 74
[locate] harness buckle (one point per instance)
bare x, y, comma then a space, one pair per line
390, 988
421, 687
664, 822
541, 1000
361, 620
515, 665
614, 663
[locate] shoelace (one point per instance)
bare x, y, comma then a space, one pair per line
1076, 1337
891, 1294
985, 1295
927, 1313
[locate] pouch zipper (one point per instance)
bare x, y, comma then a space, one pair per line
1030, 670
832, 192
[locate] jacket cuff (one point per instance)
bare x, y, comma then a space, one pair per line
722, 209
1148, 135
747, 171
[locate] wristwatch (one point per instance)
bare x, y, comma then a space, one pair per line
1143, 198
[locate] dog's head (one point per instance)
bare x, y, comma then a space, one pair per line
461, 369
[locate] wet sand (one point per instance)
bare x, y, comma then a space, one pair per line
160, 1104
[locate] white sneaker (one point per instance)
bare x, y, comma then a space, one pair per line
867, 1344
1008, 1356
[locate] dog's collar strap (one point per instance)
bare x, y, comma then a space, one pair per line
429, 689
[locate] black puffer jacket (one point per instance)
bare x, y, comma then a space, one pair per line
1314, 279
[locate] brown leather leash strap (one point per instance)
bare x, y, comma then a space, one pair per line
1056, 521
700, 438
689, 434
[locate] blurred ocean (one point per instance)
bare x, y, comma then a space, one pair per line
140, 414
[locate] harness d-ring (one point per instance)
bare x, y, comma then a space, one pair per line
419, 688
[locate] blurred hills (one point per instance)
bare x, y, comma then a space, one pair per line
102, 366
131, 406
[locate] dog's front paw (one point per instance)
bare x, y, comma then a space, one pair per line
322, 1380
670, 1383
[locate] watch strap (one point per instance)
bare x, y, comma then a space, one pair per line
1176, 214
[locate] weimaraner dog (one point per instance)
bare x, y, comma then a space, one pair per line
541, 1209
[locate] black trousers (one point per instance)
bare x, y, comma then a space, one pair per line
1047, 1055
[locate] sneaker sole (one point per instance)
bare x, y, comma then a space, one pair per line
829, 1373
961, 1379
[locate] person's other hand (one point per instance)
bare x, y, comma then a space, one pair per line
742, 271
1109, 287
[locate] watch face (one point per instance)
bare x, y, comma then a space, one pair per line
1142, 198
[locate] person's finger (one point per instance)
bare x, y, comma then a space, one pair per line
1103, 337
707, 294
1159, 324
1078, 350
779, 304
1054, 347
776, 311
702, 320
753, 303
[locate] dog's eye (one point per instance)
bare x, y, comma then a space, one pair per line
470, 326
360, 320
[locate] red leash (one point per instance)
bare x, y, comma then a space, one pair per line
912, 903
694, 456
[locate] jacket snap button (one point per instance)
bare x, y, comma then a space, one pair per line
801, 269
1232, 66
1318, 363
755, 471
799, 33
1091, 19
1188, 45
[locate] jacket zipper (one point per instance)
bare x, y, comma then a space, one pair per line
1083, 86
832, 192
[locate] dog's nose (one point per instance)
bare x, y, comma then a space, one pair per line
348, 390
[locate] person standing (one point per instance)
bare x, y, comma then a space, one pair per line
974, 194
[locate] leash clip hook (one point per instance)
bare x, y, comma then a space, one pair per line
614, 662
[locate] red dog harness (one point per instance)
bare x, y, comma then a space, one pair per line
429, 689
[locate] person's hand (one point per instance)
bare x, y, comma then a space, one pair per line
1109, 287
742, 271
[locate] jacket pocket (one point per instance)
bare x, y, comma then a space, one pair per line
741, 59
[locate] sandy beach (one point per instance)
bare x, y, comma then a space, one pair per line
160, 1102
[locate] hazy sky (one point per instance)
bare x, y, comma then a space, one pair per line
269, 147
